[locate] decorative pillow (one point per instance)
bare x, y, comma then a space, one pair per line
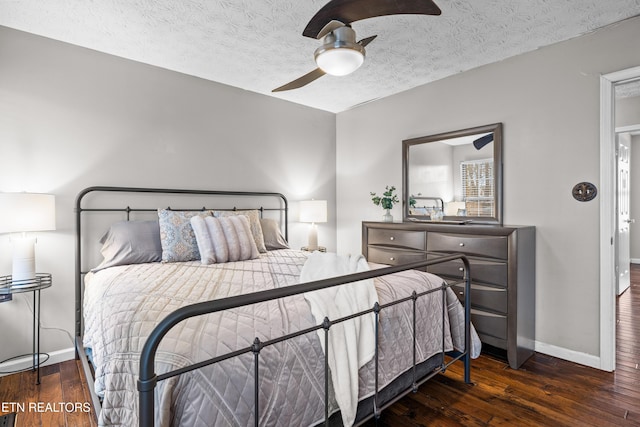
273, 238
224, 239
254, 223
221, 247
176, 235
237, 230
130, 242
203, 239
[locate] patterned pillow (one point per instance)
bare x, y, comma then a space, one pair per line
176, 235
254, 223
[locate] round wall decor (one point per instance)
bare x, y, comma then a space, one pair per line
584, 191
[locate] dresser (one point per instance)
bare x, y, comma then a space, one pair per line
502, 260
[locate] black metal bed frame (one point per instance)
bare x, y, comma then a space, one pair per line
148, 379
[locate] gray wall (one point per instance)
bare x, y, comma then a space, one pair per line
548, 101
72, 118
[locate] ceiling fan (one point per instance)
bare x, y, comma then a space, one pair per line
340, 54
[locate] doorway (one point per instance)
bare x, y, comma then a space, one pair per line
608, 213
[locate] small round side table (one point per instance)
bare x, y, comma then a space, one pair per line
35, 285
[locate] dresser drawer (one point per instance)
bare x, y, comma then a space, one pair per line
486, 246
494, 272
489, 323
394, 256
398, 238
489, 297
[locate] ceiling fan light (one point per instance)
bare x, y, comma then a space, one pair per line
340, 55
339, 61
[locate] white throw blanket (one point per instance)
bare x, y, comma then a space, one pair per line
351, 343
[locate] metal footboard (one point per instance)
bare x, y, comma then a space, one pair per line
148, 379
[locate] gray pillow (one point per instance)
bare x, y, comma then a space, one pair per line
273, 238
130, 242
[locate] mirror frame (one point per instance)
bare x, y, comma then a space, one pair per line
496, 128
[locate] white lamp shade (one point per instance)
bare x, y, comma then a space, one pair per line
313, 211
21, 212
340, 62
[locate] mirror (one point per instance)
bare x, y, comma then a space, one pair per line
454, 177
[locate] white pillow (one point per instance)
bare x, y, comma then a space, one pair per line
224, 239
254, 224
242, 231
221, 249
203, 240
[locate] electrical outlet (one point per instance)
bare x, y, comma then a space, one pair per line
9, 419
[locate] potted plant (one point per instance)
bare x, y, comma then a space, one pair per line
413, 201
387, 200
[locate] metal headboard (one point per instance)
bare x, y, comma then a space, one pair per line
79, 210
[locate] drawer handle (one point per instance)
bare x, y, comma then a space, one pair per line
392, 259
392, 238
461, 244
460, 268
461, 292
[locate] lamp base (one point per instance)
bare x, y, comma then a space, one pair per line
313, 238
24, 261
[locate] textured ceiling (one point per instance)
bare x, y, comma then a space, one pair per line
258, 45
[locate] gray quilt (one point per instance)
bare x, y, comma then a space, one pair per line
123, 304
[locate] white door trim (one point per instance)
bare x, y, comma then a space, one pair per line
607, 215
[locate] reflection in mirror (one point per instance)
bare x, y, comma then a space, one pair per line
454, 176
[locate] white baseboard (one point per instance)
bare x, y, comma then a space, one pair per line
26, 362
570, 355
635, 260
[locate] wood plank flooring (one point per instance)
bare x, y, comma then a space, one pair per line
61, 400
545, 392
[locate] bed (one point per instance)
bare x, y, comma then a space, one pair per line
181, 342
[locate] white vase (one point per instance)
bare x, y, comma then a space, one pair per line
387, 217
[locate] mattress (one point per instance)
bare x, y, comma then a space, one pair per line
123, 304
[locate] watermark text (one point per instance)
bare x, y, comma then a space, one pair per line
42, 407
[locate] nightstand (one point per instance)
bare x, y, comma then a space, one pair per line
40, 282
320, 248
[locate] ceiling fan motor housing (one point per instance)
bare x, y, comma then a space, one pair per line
339, 54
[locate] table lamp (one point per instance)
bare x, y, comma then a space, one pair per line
313, 211
23, 213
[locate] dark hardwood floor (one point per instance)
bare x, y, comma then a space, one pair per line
61, 400
545, 392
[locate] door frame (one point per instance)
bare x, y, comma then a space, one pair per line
607, 215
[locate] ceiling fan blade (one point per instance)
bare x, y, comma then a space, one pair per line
332, 25
301, 81
366, 41
348, 11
